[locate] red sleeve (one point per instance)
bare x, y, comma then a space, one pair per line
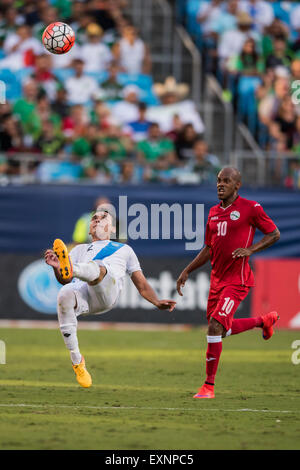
261, 220
207, 235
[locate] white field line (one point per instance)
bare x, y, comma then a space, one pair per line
137, 408
97, 325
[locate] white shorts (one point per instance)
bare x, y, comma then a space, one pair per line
95, 299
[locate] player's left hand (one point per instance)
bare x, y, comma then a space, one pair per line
166, 305
241, 253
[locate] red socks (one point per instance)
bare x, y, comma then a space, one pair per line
214, 345
214, 349
243, 324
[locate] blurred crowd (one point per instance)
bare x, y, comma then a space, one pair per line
85, 110
253, 48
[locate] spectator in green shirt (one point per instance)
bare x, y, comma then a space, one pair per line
155, 146
24, 106
248, 62
118, 145
51, 141
8, 23
95, 165
48, 15
26, 109
111, 88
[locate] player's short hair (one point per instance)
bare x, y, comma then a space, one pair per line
235, 173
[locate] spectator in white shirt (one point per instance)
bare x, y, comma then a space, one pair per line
64, 61
95, 54
260, 11
232, 41
208, 14
131, 52
127, 110
81, 88
20, 48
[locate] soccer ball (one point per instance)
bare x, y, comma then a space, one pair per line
58, 38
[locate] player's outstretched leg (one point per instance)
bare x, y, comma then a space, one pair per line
266, 322
88, 272
61, 251
66, 303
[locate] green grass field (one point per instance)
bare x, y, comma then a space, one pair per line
142, 390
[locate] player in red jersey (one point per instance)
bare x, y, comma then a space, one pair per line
228, 245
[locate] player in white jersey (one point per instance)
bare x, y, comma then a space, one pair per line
93, 277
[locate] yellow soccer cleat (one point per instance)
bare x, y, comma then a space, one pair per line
83, 377
65, 263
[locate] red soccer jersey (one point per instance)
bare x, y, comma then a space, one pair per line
231, 228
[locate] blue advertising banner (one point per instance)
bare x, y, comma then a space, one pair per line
33, 216
30, 292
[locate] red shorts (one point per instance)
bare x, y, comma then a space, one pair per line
223, 303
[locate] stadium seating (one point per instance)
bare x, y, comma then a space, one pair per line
12, 83
189, 9
244, 93
14, 80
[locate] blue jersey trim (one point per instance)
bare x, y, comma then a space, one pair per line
108, 250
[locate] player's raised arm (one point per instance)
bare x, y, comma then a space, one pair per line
52, 260
199, 261
149, 294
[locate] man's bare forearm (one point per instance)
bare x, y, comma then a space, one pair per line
149, 294
267, 241
199, 261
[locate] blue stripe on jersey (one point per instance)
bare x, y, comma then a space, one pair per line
108, 250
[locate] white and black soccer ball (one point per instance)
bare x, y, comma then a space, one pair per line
58, 38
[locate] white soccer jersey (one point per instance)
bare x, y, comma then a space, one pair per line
119, 260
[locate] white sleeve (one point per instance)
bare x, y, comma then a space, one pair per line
133, 263
75, 254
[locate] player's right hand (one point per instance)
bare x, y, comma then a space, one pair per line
181, 281
51, 259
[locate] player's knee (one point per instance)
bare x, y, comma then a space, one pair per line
66, 300
215, 328
100, 277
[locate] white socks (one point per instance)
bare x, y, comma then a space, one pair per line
66, 302
88, 272
214, 339
67, 320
